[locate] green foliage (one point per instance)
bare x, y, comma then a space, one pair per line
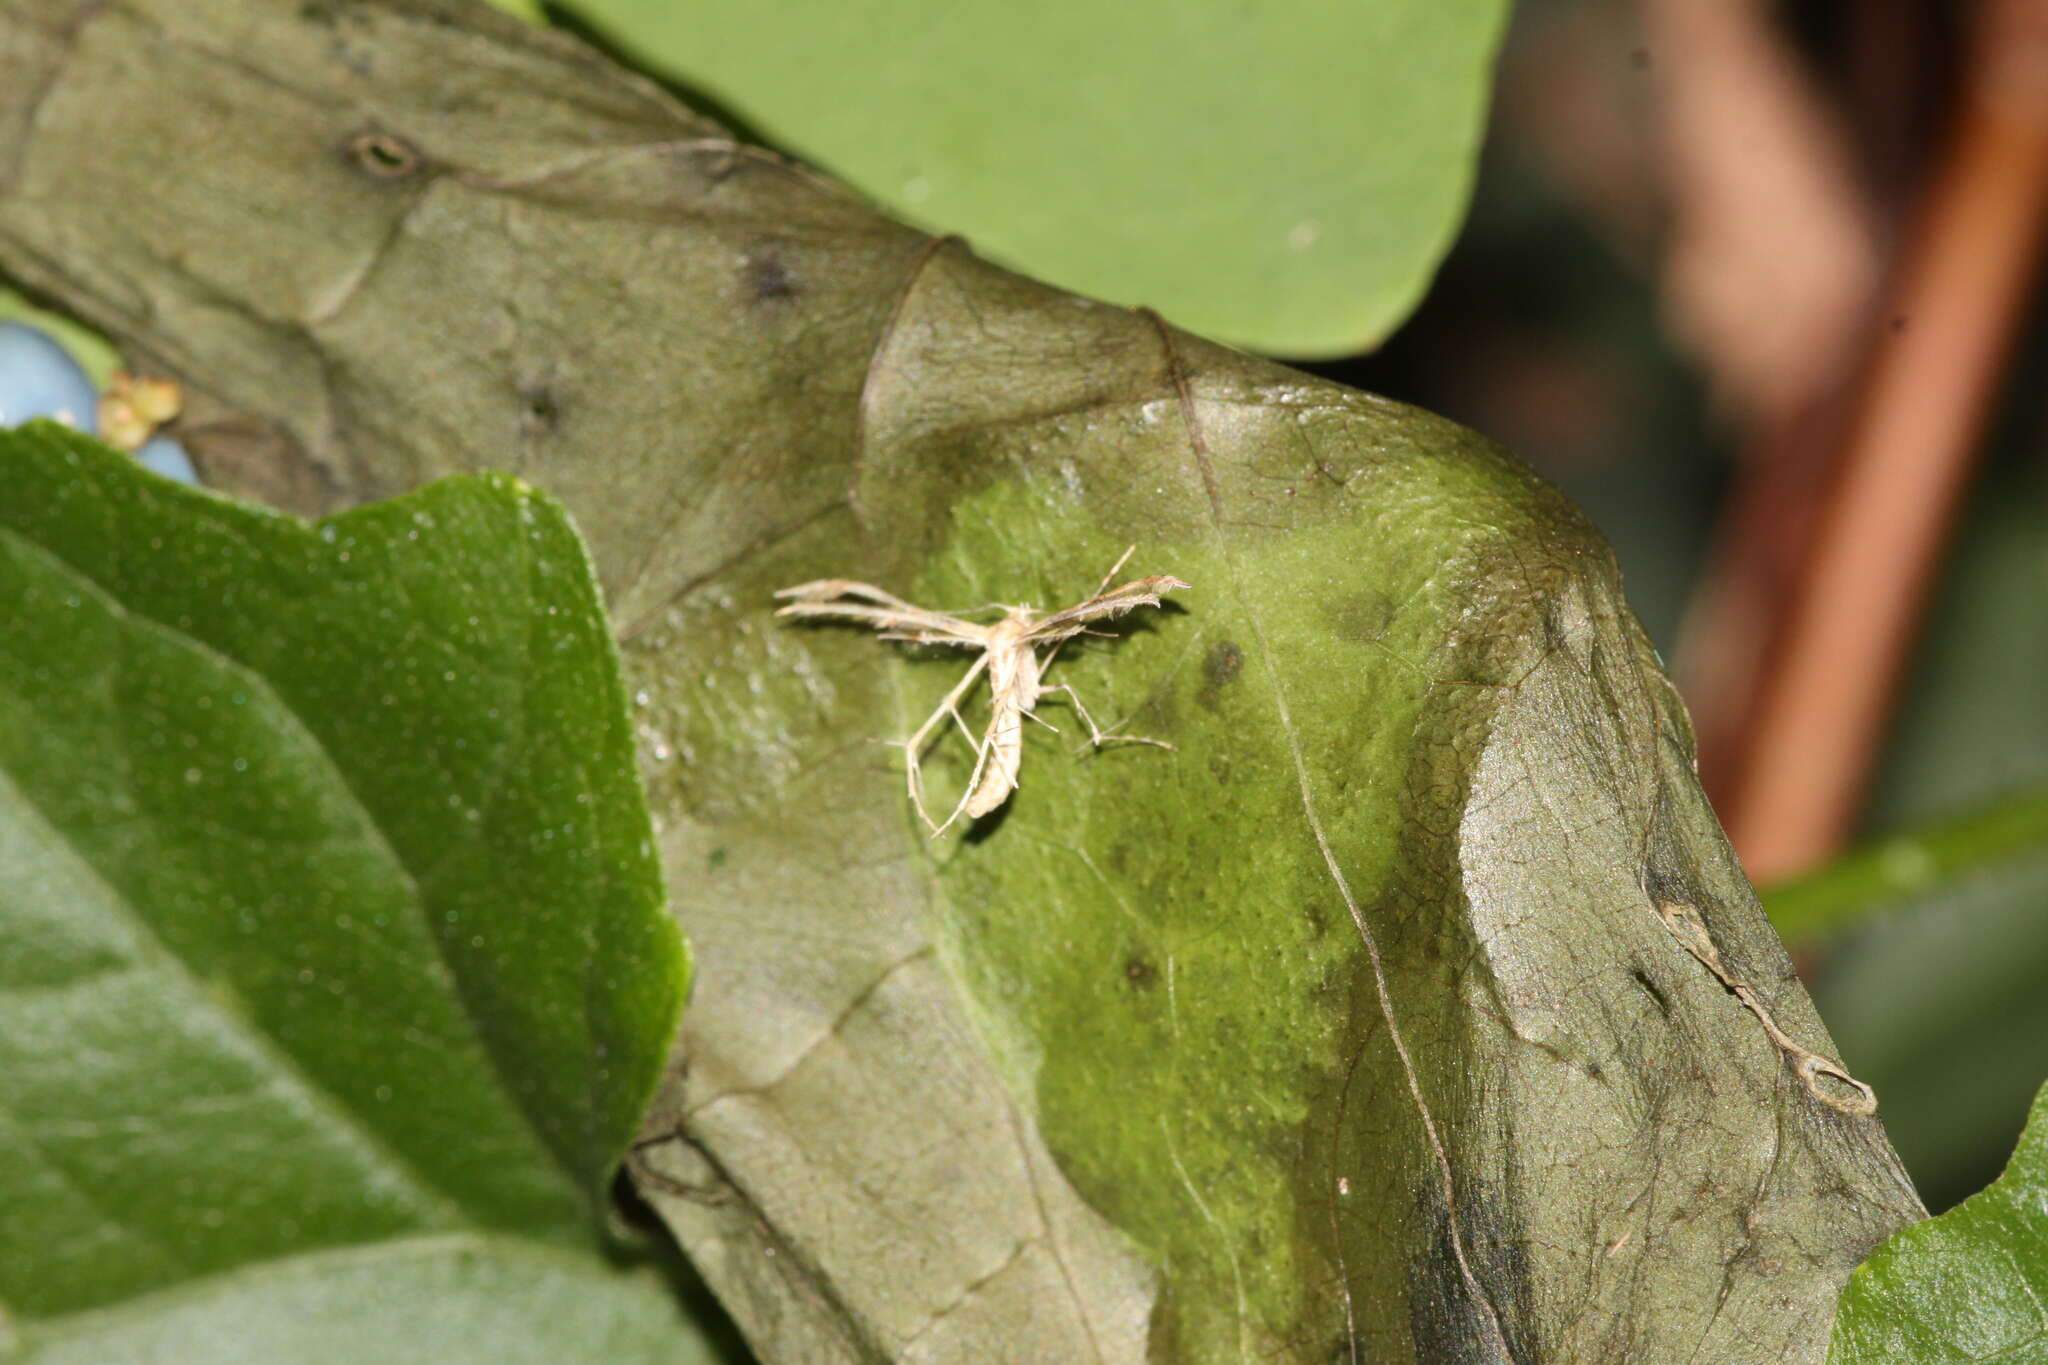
1352, 1027
1283, 177
1939, 1003
490, 1299
333, 965
1967, 1286
1912, 866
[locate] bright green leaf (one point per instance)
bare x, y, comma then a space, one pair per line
1967, 1286
332, 919
1282, 177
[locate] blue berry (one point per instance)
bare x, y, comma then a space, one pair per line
168, 458
38, 378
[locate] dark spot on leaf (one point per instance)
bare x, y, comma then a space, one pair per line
384, 156
1221, 666
1642, 978
540, 413
719, 167
768, 278
1663, 880
1316, 913
1223, 663
1141, 974
716, 860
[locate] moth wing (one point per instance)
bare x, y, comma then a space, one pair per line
934, 637
825, 589
924, 628
1142, 592
823, 599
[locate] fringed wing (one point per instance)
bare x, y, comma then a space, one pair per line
1143, 592
825, 598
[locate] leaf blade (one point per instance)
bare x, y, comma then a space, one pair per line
240, 1024
450, 1298
1967, 1285
1283, 180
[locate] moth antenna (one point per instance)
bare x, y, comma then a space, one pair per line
1121, 560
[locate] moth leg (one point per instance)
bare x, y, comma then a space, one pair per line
1098, 736
913, 768
961, 721
913, 772
1033, 715
973, 782
982, 749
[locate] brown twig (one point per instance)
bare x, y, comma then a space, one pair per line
1770, 255
1909, 445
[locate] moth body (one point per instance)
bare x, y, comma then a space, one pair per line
1008, 652
1013, 686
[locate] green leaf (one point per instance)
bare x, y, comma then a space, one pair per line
1967, 1286
419, 1301
1282, 177
333, 947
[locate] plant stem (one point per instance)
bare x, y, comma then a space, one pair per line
1911, 865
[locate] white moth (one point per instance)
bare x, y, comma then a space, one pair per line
1014, 651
